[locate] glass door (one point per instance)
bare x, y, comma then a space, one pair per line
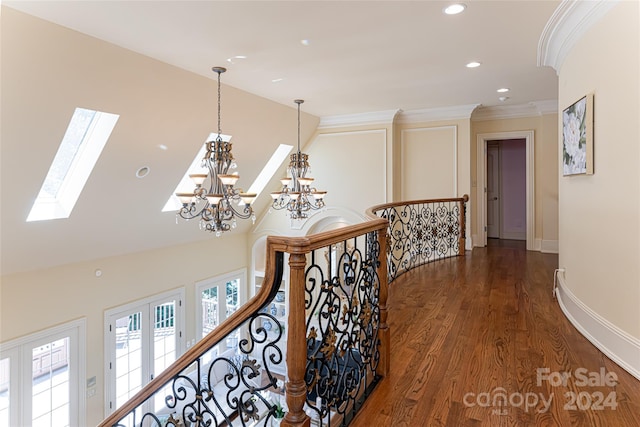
143, 340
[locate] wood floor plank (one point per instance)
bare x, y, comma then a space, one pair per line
468, 338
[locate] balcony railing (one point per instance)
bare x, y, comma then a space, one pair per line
422, 231
319, 368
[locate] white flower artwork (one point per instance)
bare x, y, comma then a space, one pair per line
576, 138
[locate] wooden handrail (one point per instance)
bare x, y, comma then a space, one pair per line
371, 212
306, 244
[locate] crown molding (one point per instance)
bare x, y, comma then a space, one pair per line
436, 114
546, 107
376, 117
567, 25
474, 111
531, 109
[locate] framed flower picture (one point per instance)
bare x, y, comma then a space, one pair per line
577, 137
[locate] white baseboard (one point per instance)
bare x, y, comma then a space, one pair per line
618, 345
549, 246
537, 245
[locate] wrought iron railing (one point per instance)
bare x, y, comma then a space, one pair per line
343, 322
319, 367
422, 231
214, 385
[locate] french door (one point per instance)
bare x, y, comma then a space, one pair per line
142, 338
217, 298
41, 378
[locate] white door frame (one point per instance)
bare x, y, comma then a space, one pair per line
482, 140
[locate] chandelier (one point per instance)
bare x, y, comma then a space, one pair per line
297, 194
214, 196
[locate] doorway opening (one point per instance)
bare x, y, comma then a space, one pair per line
482, 200
506, 189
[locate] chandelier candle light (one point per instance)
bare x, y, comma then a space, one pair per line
214, 203
297, 194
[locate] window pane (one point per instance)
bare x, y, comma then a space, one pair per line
77, 154
232, 296
50, 384
164, 344
231, 306
128, 357
4, 391
209, 309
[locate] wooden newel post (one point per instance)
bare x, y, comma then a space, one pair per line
296, 388
385, 343
462, 242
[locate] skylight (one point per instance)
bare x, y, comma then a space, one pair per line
86, 136
269, 169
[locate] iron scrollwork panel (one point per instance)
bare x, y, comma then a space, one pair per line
420, 233
343, 318
237, 387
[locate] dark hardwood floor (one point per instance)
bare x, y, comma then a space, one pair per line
479, 341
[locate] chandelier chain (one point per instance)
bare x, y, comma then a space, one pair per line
219, 128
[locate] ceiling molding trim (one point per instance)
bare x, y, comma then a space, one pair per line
546, 107
567, 25
531, 109
376, 117
436, 114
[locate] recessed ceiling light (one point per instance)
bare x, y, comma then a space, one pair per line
235, 59
503, 98
163, 147
503, 90
473, 64
143, 171
455, 8
305, 42
277, 80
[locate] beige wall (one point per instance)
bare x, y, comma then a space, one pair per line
429, 163
416, 145
599, 214
336, 157
41, 299
545, 130
47, 71
424, 140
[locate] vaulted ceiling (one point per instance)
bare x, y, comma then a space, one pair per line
342, 57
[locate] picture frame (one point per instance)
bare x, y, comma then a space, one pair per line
577, 137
